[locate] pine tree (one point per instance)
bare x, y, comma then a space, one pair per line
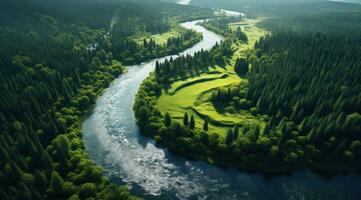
235, 132
167, 119
229, 136
241, 67
143, 113
63, 147
205, 125
192, 123
185, 119
56, 184
219, 95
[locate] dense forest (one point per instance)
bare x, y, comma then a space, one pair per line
133, 53
188, 66
282, 8
333, 23
220, 26
182, 138
55, 59
309, 83
304, 80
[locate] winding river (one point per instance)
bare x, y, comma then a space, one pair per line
113, 141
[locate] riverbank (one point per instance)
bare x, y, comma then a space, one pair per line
100, 123
113, 141
191, 95
183, 116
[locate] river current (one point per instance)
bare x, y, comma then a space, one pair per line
113, 141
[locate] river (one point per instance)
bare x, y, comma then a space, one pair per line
183, 2
113, 141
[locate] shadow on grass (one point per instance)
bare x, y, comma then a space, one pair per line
219, 107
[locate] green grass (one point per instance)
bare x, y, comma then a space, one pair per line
175, 31
191, 95
249, 27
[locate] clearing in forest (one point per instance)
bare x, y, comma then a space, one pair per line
192, 95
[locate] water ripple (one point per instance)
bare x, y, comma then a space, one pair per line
112, 140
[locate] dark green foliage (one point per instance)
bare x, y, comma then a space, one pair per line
205, 125
241, 35
229, 136
185, 119
311, 88
241, 67
221, 26
280, 8
192, 123
143, 114
133, 53
55, 59
56, 188
333, 23
149, 17
235, 132
231, 96
167, 120
306, 86
187, 66
87, 190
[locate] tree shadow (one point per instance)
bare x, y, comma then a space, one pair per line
219, 107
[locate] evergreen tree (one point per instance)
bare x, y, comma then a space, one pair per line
229, 136
167, 119
56, 184
235, 132
205, 125
192, 123
185, 119
143, 114
241, 67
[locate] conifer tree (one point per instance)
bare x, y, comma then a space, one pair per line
192, 123
185, 119
167, 119
229, 136
205, 125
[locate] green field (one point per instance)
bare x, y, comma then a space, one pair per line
192, 95
175, 31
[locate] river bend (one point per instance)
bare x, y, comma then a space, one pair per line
113, 141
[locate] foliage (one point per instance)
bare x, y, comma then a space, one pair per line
188, 66
241, 67
52, 68
221, 26
280, 8
333, 23
304, 83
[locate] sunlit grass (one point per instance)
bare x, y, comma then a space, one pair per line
175, 31
192, 95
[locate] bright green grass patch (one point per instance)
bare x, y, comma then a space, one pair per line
216, 73
250, 29
191, 95
161, 39
182, 101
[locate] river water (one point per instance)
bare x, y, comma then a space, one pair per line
113, 141
183, 2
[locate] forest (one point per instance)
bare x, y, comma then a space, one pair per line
55, 61
312, 91
281, 92
282, 8
186, 66
303, 80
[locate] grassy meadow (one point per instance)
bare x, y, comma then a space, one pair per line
161, 39
192, 95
